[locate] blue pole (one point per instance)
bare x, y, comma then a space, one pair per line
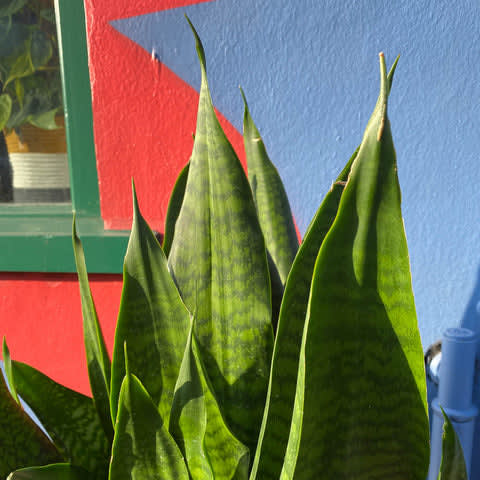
455, 394
471, 320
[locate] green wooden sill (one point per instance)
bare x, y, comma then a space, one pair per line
39, 239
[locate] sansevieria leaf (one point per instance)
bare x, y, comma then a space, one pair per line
219, 263
57, 471
69, 417
273, 208
153, 320
22, 442
142, 447
196, 423
273, 438
174, 206
286, 353
452, 466
98, 361
270, 198
360, 407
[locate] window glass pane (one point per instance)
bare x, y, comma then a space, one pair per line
33, 154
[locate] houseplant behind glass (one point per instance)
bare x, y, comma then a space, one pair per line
31, 100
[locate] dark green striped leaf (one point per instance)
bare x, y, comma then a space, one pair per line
57, 471
142, 447
22, 443
98, 361
69, 417
452, 466
271, 200
219, 263
360, 407
174, 206
274, 433
196, 423
152, 320
275, 430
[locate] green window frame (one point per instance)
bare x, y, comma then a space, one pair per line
38, 238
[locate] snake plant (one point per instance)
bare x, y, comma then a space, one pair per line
239, 354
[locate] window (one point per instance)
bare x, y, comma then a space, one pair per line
37, 237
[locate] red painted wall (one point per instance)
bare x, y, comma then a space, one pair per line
42, 321
149, 141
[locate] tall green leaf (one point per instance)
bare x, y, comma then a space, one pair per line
219, 263
275, 429
452, 466
98, 361
197, 425
152, 320
69, 417
142, 447
57, 471
22, 442
174, 206
360, 407
274, 433
273, 208
270, 198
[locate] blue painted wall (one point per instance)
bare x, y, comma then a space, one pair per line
310, 72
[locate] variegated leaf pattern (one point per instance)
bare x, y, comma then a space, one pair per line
273, 438
285, 364
142, 447
152, 320
174, 206
219, 263
360, 408
210, 449
69, 417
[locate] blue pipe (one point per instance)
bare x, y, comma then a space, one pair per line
471, 320
455, 390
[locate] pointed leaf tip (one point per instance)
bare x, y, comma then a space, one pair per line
136, 208
383, 70
7, 364
198, 46
391, 73
243, 97
383, 96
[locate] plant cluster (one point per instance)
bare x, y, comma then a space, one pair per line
31, 90
238, 353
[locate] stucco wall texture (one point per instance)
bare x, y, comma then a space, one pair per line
310, 72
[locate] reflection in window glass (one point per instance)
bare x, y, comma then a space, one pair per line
33, 155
